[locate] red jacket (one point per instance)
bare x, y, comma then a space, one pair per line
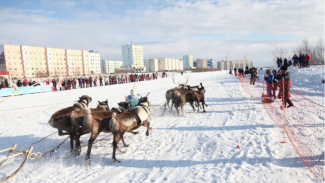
307, 57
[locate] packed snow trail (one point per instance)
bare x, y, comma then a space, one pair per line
200, 147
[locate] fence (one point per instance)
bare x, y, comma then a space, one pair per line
303, 124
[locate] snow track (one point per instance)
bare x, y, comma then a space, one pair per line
200, 147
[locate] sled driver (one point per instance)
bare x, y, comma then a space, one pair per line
133, 99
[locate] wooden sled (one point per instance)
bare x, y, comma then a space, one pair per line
11, 151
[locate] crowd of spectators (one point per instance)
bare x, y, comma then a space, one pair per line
297, 61
60, 84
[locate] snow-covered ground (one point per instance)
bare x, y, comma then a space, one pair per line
200, 147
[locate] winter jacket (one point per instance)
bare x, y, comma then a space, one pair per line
133, 101
253, 74
269, 78
295, 58
286, 77
307, 57
19, 84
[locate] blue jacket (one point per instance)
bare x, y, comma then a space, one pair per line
269, 79
133, 101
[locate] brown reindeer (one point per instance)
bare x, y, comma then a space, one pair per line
61, 119
199, 96
118, 124
169, 93
79, 129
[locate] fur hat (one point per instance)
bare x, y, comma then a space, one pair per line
134, 93
284, 68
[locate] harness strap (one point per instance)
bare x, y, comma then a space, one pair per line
116, 110
144, 107
135, 115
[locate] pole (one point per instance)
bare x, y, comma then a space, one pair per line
284, 119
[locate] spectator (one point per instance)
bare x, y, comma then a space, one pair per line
3, 85
90, 80
286, 89
275, 82
54, 85
6, 83
253, 76
268, 77
30, 83
303, 60
307, 60
100, 80
19, 84
105, 80
285, 62
235, 71
290, 63
95, 82
295, 60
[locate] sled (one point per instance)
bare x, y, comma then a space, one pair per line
16, 153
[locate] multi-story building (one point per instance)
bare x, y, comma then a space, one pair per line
29, 61
169, 64
132, 55
231, 64
210, 63
94, 60
152, 65
188, 61
202, 63
110, 66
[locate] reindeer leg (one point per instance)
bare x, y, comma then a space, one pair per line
182, 109
71, 142
191, 103
125, 145
203, 107
116, 139
92, 138
146, 123
78, 147
134, 133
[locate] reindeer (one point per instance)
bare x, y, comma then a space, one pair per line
170, 92
199, 96
78, 126
61, 119
118, 124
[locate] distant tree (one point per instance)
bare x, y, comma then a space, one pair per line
279, 52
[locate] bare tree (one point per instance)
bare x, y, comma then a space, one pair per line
318, 52
279, 52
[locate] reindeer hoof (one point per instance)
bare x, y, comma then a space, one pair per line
147, 133
115, 161
126, 145
87, 161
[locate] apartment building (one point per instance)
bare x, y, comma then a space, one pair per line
28, 61
151, 65
94, 61
110, 66
169, 64
188, 61
202, 63
132, 55
231, 64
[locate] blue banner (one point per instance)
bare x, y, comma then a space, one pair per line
24, 90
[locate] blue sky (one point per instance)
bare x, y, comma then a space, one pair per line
171, 28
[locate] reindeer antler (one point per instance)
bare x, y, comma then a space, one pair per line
173, 80
187, 80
